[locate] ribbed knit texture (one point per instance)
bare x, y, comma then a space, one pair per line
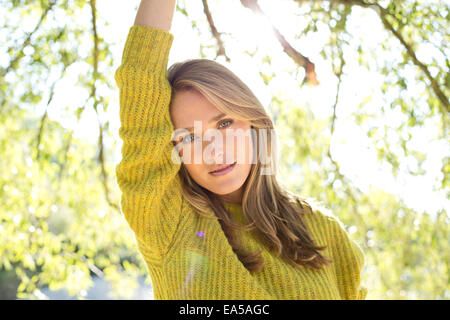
188, 256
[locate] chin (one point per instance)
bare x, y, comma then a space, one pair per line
226, 186
223, 185
224, 190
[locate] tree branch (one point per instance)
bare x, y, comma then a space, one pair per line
298, 58
20, 54
349, 190
434, 85
216, 34
383, 13
43, 119
104, 174
66, 151
95, 52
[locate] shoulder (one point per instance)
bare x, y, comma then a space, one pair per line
328, 224
348, 257
320, 214
321, 221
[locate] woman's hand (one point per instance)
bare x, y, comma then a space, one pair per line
155, 13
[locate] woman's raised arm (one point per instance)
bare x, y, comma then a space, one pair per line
155, 13
148, 178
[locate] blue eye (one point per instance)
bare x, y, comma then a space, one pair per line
187, 139
226, 121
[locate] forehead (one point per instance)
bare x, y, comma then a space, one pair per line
190, 106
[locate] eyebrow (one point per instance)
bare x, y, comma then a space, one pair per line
218, 117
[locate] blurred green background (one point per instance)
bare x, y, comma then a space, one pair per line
358, 91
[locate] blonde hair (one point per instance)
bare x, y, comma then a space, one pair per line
275, 213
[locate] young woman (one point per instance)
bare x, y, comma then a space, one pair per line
207, 233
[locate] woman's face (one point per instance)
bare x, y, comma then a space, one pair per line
209, 140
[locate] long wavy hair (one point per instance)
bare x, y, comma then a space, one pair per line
275, 212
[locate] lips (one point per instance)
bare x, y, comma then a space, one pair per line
223, 169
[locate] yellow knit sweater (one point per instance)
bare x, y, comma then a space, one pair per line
188, 256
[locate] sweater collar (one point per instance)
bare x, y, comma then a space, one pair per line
235, 210
232, 205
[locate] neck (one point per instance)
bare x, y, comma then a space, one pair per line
233, 197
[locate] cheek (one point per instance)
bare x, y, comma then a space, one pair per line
195, 171
188, 157
243, 146
249, 147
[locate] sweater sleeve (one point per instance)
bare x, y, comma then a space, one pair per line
348, 262
151, 190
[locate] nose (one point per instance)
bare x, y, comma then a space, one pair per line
214, 152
